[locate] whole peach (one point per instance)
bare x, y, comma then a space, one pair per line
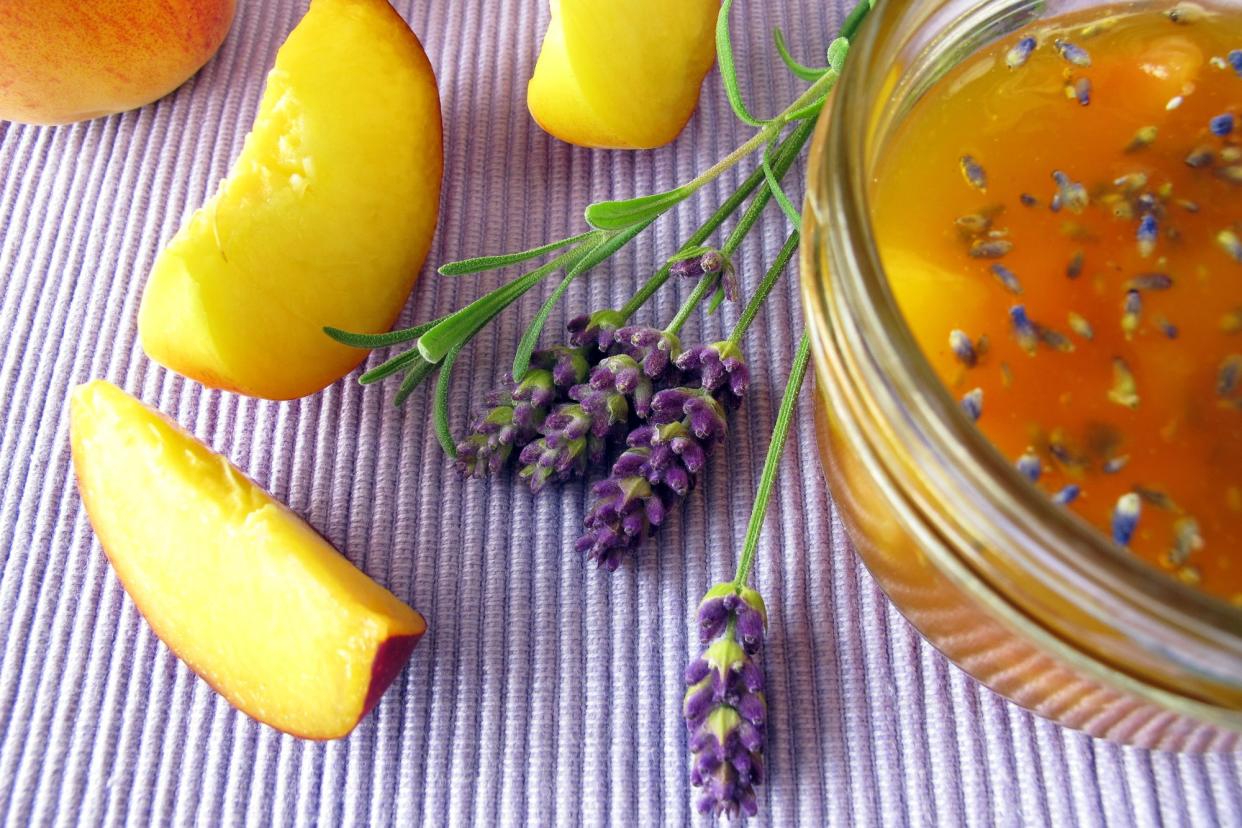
68, 60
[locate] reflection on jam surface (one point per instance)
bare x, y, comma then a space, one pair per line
1061, 220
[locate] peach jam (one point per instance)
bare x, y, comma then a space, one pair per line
1060, 217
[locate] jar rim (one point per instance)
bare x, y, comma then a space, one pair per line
1121, 587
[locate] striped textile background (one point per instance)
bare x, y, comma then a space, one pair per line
546, 691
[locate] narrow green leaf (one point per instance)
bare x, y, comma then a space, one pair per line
457, 327
811, 110
807, 73
716, 301
728, 71
837, 52
413, 378
521, 359
692, 252
382, 340
855, 18
618, 215
482, 263
790, 211
444, 433
390, 367
437, 342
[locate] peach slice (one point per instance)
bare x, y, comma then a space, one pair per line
66, 60
325, 218
238, 586
622, 75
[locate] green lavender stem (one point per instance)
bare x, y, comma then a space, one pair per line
785, 160
767, 478
791, 146
765, 287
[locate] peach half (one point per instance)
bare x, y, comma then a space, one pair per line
325, 218
237, 585
622, 75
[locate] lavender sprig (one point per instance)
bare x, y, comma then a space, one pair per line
690, 420
725, 708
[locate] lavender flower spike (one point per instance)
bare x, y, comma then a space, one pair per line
724, 707
566, 448
514, 413
596, 330
719, 367
658, 466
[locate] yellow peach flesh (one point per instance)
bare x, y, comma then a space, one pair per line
325, 218
622, 75
239, 587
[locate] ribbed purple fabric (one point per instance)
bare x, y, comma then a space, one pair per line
546, 692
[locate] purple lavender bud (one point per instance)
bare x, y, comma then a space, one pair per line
1073, 194
706, 419
654, 509
597, 330
725, 708
691, 452
1147, 233
669, 404
720, 368
536, 388
963, 348
749, 628
568, 365
653, 348
713, 261
1072, 53
1018, 54
712, 618
691, 268
1066, 495
972, 403
1029, 466
1126, 518
678, 479
697, 671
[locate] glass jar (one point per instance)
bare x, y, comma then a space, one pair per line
1021, 594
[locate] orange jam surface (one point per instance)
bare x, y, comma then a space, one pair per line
1075, 213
